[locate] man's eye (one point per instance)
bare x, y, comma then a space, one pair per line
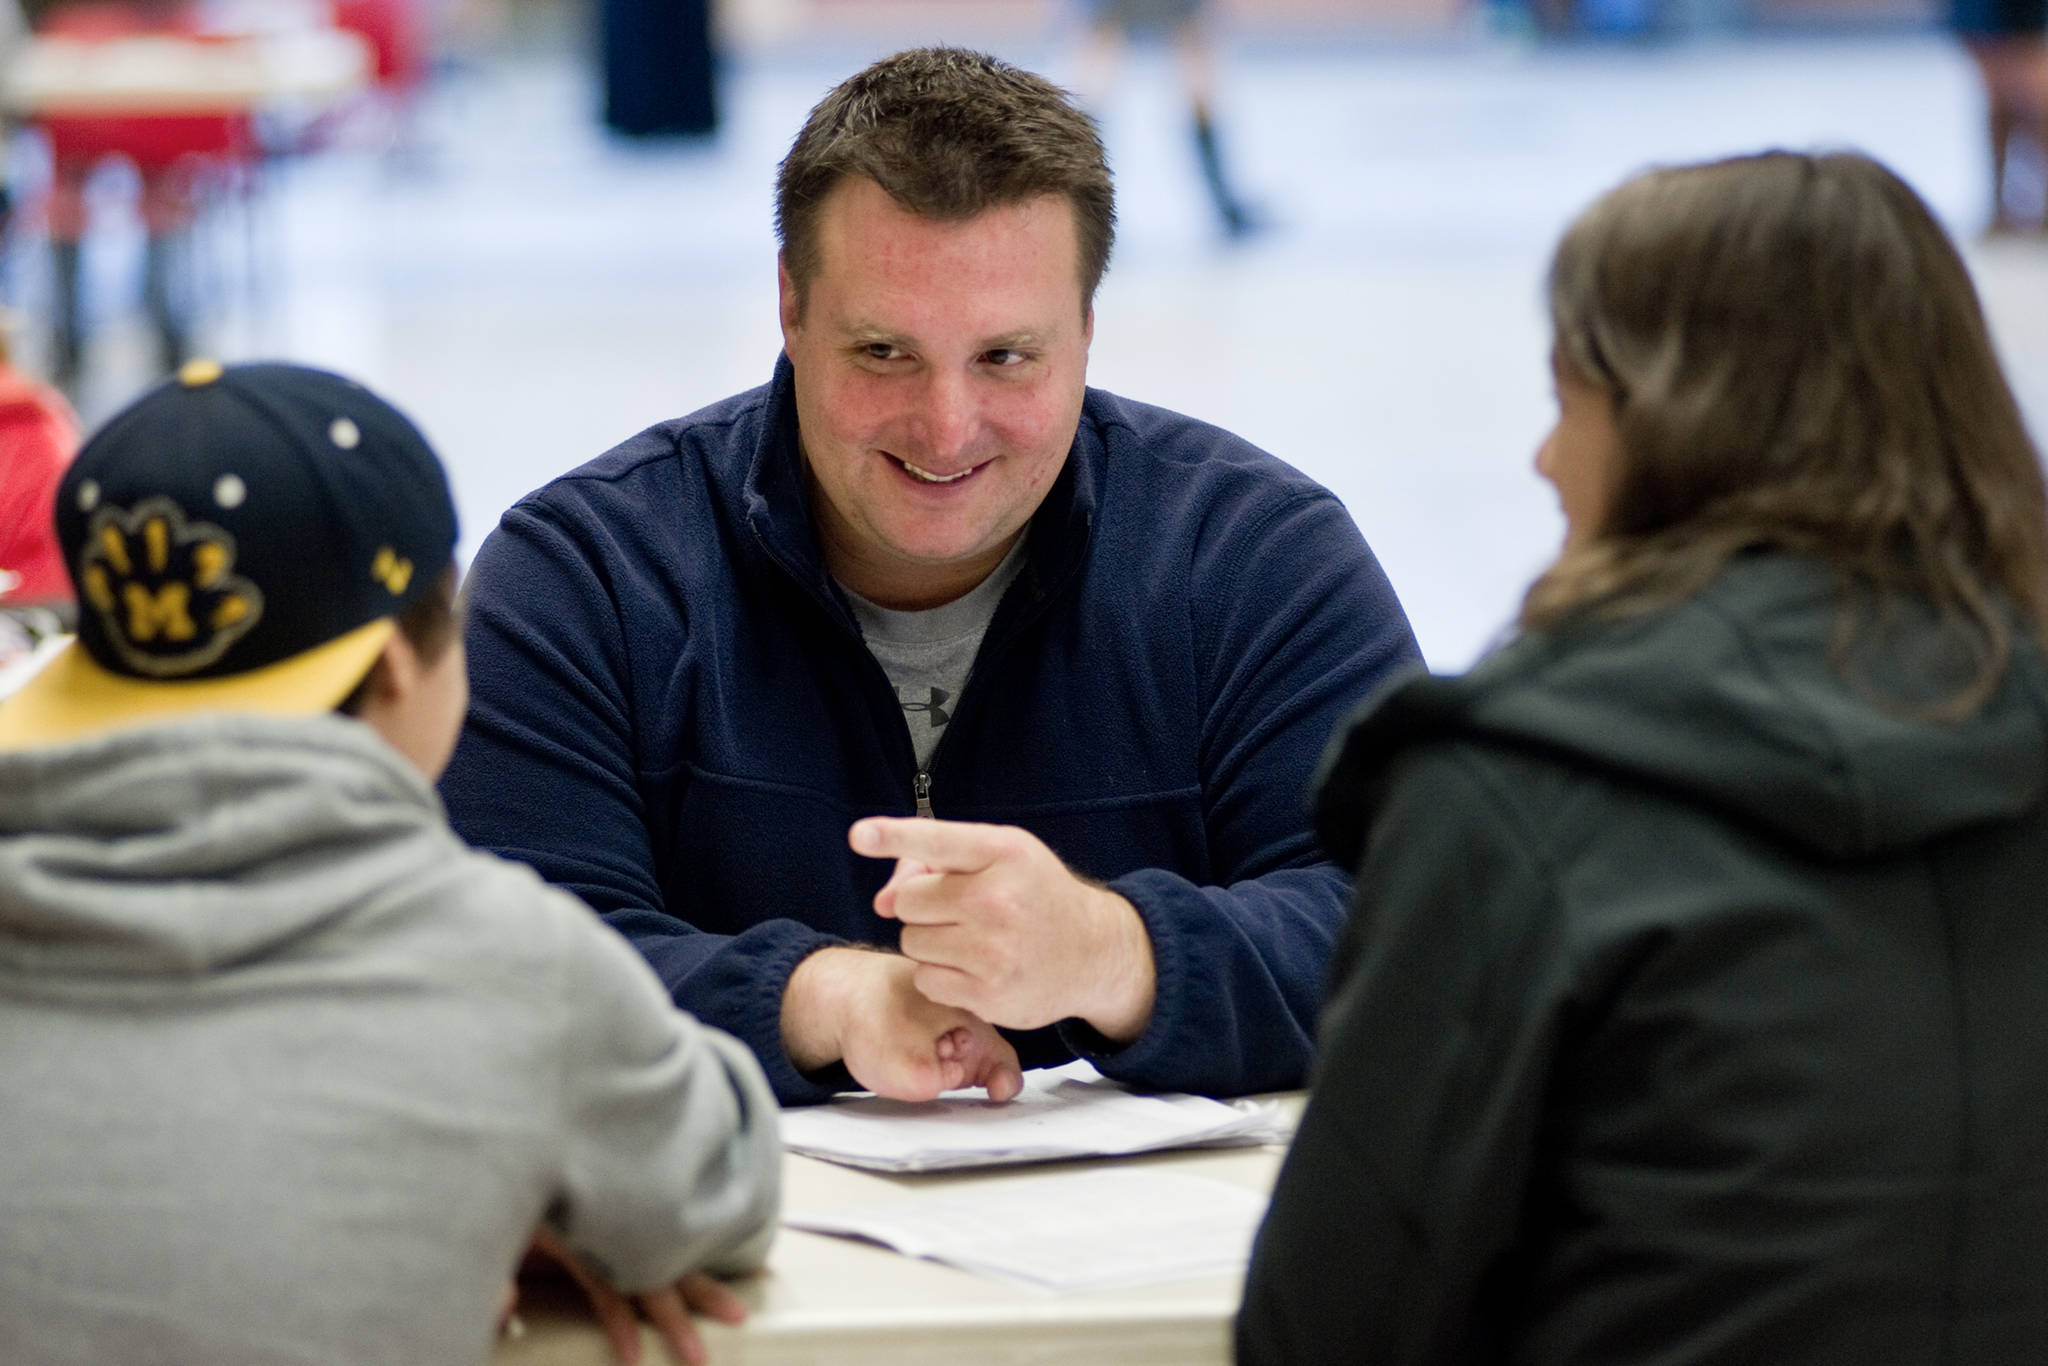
879, 351
1004, 355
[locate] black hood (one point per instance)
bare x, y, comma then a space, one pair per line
1736, 699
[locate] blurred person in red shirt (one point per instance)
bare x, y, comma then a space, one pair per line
38, 434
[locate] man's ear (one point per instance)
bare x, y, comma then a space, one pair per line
792, 304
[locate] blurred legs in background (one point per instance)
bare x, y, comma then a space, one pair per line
1112, 23
1198, 67
2015, 75
169, 170
2008, 40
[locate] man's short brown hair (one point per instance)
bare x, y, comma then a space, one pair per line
947, 133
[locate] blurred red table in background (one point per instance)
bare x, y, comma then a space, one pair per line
147, 83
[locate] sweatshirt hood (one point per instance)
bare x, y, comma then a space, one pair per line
1736, 699
181, 849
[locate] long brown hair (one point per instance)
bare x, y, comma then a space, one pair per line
1796, 358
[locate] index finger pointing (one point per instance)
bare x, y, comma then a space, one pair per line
943, 846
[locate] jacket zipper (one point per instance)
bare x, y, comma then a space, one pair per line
921, 785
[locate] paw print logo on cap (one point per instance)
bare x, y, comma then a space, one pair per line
165, 588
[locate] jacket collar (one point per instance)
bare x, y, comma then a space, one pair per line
776, 501
1740, 700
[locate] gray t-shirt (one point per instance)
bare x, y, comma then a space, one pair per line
928, 655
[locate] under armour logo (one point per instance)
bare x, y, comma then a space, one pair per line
933, 708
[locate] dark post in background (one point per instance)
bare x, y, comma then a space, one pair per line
659, 71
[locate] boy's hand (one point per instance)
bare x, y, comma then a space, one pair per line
668, 1308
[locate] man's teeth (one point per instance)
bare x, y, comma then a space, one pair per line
931, 478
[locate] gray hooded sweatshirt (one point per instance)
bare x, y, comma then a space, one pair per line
289, 1074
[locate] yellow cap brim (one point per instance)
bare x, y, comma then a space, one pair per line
72, 697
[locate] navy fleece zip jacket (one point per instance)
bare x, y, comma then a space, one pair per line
674, 716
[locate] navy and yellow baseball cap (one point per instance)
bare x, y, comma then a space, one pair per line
240, 538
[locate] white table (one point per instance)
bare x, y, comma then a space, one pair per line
835, 1302
167, 74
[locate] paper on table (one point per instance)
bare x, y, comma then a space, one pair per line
1089, 1231
1063, 1112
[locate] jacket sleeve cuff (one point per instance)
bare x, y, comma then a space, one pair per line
1150, 1057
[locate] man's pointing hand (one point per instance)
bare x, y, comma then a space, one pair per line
1000, 927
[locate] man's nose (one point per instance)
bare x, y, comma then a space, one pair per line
948, 417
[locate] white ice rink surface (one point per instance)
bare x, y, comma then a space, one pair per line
533, 292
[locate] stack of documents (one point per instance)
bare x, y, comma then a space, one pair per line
1087, 1231
1064, 1112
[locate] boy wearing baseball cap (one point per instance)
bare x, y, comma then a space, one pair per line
291, 1073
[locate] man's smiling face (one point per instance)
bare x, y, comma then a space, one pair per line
939, 375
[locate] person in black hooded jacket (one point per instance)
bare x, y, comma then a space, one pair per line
1694, 1005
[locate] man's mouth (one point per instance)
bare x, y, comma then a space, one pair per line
916, 472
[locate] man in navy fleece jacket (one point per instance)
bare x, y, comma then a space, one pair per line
719, 672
